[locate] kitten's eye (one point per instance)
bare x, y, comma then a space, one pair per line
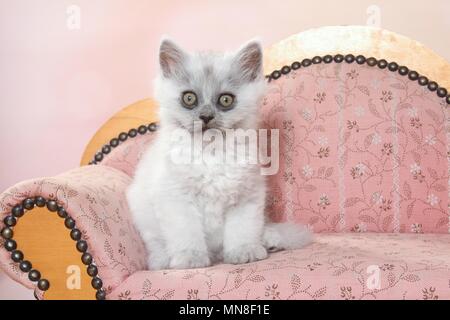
226, 100
189, 99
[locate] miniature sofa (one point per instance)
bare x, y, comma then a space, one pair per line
364, 162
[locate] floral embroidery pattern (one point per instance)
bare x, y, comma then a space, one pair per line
408, 268
381, 143
94, 196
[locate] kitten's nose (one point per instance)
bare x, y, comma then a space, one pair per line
206, 119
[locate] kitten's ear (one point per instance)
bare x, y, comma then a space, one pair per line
249, 59
171, 58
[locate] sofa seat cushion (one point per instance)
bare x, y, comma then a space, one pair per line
335, 266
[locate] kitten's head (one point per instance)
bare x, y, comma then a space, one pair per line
220, 90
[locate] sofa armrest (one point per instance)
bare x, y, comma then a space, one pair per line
90, 202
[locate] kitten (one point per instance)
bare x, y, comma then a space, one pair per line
196, 214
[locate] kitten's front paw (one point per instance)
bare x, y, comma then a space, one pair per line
245, 253
190, 259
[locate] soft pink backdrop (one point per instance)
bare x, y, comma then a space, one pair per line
57, 85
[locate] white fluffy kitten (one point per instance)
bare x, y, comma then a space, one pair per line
193, 215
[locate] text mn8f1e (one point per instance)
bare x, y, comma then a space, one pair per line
230, 309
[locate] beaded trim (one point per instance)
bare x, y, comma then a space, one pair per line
372, 62
123, 136
338, 58
25, 266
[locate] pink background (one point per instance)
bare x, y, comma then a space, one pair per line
57, 86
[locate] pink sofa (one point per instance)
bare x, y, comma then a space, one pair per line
364, 163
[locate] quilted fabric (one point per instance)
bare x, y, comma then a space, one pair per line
94, 196
336, 266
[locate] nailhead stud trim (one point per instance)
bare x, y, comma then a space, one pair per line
412, 75
25, 266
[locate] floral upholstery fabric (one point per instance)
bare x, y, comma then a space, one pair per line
335, 266
127, 154
94, 196
361, 149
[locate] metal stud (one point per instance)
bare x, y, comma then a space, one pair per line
25, 266
338, 58
393, 66
276, 74
371, 62
106, 149
349, 58
123, 136
92, 270
40, 201
43, 284
114, 142
328, 58
403, 70
82, 246
97, 283
18, 211
285, 70
296, 65
441, 92
382, 64
413, 75
62, 212
448, 99
17, 256
10, 221
432, 86
152, 126
142, 129
98, 156
7, 233
52, 205
10, 245
423, 81
75, 234
34, 275
316, 60
132, 133
100, 295
306, 62
360, 59
86, 258
69, 223
28, 203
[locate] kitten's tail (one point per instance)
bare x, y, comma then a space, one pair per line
286, 235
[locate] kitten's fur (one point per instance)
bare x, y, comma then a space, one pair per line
197, 214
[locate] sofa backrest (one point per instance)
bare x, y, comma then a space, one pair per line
363, 147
